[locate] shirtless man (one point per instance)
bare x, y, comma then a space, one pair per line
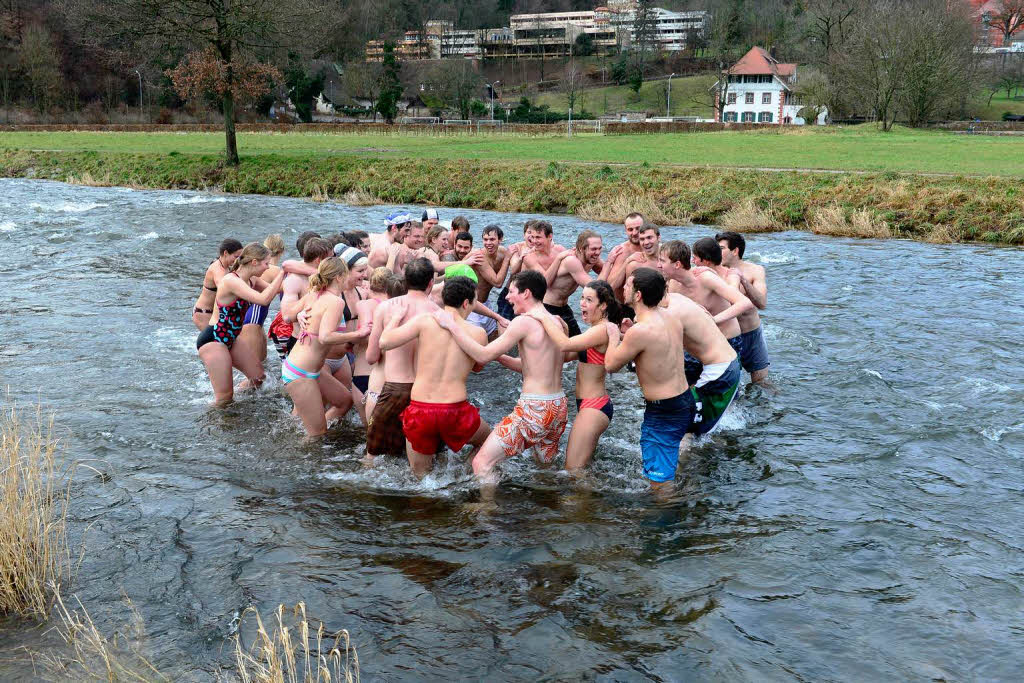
538, 420
615, 266
754, 284
497, 258
650, 244
438, 410
706, 288
226, 254
380, 243
384, 425
429, 219
570, 271
655, 341
504, 307
400, 253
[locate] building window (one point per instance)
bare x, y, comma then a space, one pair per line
730, 98
730, 117
748, 117
766, 98
764, 117
749, 98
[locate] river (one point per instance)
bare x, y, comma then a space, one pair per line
864, 523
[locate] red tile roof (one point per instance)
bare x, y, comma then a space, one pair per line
758, 62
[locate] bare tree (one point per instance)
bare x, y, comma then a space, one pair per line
1008, 19
457, 83
572, 84
814, 90
236, 30
363, 80
40, 64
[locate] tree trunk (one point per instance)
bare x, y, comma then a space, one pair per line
231, 150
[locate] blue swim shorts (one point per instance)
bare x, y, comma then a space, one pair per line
754, 355
665, 424
737, 344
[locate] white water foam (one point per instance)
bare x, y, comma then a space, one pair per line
150, 236
996, 433
773, 257
979, 386
175, 339
199, 199
873, 373
8, 226
67, 207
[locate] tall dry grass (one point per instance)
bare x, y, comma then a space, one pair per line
358, 197
286, 655
87, 179
35, 487
614, 208
835, 221
319, 194
747, 216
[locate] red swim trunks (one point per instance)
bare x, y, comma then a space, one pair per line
427, 424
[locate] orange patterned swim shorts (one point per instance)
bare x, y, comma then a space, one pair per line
537, 422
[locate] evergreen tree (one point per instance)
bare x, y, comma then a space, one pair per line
302, 87
390, 85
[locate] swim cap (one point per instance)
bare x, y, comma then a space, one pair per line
430, 215
398, 218
460, 270
350, 255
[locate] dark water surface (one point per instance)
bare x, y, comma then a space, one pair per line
866, 523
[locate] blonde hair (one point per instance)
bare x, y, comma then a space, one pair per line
275, 244
251, 253
434, 233
327, 272
379, 279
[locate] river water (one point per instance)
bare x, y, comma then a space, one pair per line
863, 523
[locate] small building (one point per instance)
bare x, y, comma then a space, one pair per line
760, 90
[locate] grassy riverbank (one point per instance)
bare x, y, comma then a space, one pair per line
941, 209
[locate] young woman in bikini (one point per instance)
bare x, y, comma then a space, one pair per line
237, 290
202, 311
304, 374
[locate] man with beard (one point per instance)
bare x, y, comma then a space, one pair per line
615, 267
570, 271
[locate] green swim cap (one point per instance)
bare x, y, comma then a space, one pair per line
460, 269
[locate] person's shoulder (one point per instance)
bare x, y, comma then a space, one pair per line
478, 334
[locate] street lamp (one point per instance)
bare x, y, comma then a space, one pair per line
140, 89
490, 87
668, 97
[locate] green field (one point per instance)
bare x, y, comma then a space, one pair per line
853, 148
689, 98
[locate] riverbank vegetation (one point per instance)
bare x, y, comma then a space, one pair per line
34, 491
935, 208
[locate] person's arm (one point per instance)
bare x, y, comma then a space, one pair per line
291, 304
617, 275
328, 333
479, 353
480, 308
242, 290
298, 267
393, 252
373, 351
739, 303
622, 351
511, 362
613, 260
502, 269
578, 272
395, 335
486, 271
556, 263
757, 289
595, 336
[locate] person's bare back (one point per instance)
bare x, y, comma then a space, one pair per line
703, 340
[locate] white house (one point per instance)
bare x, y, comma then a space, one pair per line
761, 91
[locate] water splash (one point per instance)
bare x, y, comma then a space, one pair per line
67, 207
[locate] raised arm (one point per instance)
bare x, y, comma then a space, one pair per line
298, 267
479, 353
242, 290
556, 263
757, 289
621, 352
595, 336
485, 270
739, 303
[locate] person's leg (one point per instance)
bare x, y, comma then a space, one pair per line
217, 359
250, 344
201, 319
478, 439
334, 393
587, 429
419, 463
490, 454
309, 404
246, 360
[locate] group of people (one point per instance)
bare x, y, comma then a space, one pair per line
391, 324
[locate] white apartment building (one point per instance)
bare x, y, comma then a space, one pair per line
671, 29
760, 90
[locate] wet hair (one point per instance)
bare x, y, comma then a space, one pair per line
542, 227
651, 285
496, 230
336, 239
354, 237
418, 274
528, 225
274, 244
434, 233
396, 286
327, 272
229, 246
303, 238
734, 240
460, 224
316, 247
605, 295
708, 249
649, 226
251, 253
532, 282
464, 237
379, 279
458, 289
677, 251
635, 214
583, 238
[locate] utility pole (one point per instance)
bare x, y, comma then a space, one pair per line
140, 89
490, 87
668, 98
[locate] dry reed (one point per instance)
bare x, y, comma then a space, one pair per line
93, 656
833, 220
614, 208
277, 657
747, 216
87, 179
319, 194
358, 197
35, 486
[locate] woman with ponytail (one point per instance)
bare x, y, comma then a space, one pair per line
253, 339
238, 289
594, 407
306, 378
